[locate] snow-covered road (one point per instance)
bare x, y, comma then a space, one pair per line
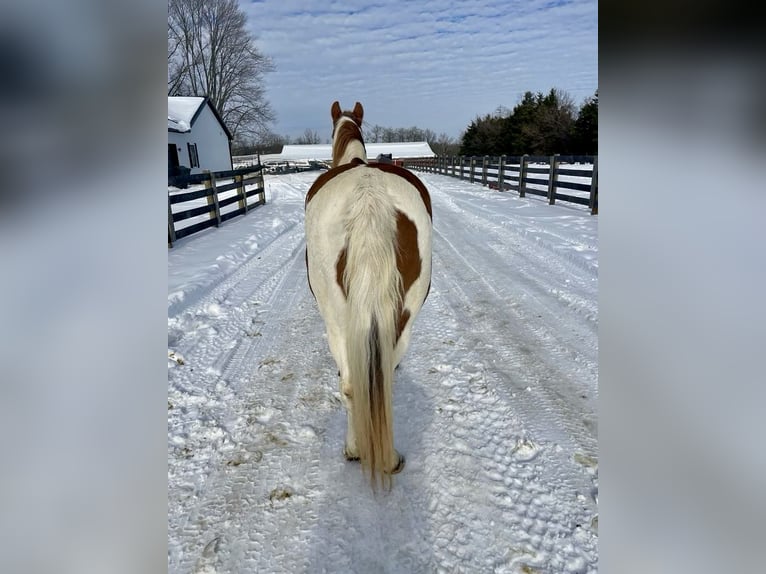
495, 403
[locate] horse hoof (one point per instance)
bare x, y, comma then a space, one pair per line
399, 466
348, 456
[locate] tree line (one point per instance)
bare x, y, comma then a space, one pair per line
442, 144
540, 124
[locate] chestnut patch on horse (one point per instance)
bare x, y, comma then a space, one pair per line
308, 273
410, 177
408, 261
340, 267
347, 132
407, 254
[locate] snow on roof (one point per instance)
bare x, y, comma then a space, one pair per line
178, 125
181, 110
324, 151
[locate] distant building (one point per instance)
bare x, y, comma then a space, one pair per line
198, 139
323, 152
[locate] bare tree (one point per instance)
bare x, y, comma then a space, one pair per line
444, 145
211, 53
372, 134
309, 137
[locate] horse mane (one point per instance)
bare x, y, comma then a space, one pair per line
344, 133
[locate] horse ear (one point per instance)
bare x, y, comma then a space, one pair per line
335, 111
358, 112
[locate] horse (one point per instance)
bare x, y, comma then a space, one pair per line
368, 259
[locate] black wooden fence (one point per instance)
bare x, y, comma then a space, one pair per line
518, 173
210, 202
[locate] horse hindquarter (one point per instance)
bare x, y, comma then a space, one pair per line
368, 249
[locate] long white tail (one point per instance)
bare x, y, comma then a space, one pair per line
373, 286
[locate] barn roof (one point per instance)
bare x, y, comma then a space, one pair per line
183, 111
323, 152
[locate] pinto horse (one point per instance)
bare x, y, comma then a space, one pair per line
368, 257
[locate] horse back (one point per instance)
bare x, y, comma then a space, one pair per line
327, 201
384, 167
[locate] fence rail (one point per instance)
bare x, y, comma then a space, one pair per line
208, 206
513, 173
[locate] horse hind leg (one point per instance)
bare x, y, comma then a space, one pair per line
338, 351
350, 450
400, 462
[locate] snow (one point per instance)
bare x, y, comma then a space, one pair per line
181, 111
323, 152
495, 403
178, 125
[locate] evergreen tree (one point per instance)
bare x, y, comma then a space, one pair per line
585, 134
517, 128
540, 124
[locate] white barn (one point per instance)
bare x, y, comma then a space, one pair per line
197, 136
323, 152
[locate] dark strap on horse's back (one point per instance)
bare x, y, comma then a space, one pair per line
327, 176
410, 177
387, 167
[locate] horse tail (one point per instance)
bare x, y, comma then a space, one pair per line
373, 285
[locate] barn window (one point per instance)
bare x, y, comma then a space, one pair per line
193, 157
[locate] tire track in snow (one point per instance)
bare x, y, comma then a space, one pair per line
208, 390
228, 281
532, 257
527, 230
490, 455
260, 431
542, 358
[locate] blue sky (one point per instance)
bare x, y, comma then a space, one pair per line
431, 64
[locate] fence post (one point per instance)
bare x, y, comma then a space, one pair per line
241, 191
472, 167
501, 174
262, 185
171, 226
593, 202
484, 166
523, 175
552, 177
212, 197
462, 164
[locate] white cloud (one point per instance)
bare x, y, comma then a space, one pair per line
431, 64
